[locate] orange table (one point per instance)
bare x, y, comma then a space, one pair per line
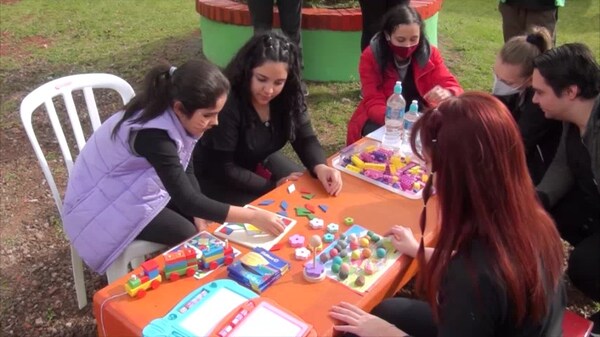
370, 206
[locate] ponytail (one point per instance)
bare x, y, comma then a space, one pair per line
197, 84
521, 50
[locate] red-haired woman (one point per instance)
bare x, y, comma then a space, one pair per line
497, 269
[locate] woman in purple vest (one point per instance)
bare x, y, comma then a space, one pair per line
134, 178
241, 160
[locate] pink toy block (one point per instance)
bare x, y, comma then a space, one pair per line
296, 240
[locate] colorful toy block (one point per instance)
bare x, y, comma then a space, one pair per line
296, 240
349, 221
333, 228
316, 223
282, 213
328, 237
302, 253
324, 208
291, 188
310, 207
283, 205
308, 196
266, 202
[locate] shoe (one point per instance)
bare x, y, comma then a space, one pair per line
304, 88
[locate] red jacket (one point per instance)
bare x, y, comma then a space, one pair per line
377, 88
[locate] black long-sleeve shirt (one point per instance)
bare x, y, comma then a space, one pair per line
230, 152
159, 149
474, 301
540, 135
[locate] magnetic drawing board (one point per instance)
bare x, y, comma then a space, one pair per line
201, 311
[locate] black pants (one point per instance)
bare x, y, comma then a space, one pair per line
372, 14
578, 221
278, 164
290, 17
169, 227
517, 20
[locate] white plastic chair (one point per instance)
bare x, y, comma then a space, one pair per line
64, 87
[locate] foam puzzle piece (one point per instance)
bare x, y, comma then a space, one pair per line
308, 196
266, 202
302, 253
324, 208
291, 188
310, 207
283, 205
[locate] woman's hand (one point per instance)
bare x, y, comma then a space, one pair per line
330, 178
436, 95
361, 323
201, 224
403, 240
268, 222
292, 177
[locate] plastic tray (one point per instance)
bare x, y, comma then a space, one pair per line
358, 148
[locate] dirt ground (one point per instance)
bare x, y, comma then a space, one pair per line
36, 287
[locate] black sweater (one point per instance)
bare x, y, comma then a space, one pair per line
230, 152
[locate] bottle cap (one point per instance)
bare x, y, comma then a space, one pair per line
398, 87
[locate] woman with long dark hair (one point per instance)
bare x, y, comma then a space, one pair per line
399, 52
497, 267
240, 160
134, 178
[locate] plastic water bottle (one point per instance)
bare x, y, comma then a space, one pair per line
410, 117
394, 114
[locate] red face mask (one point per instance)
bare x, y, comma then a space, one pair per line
403, 52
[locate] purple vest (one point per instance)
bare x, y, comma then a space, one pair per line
113, 193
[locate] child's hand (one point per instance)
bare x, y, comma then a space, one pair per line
330, 178
201, 224
268, 222
403, 240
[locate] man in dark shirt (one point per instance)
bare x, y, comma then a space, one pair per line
566, 81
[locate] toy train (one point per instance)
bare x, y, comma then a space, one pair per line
183, 262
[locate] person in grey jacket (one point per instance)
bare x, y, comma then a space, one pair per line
566, 81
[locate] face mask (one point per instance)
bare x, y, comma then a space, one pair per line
403, 52
502, 89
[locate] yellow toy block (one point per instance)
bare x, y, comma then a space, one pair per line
370, 148
424, 178
374, 166
357, 162
396, 161
353, 168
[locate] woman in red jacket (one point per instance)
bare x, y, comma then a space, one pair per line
399, 52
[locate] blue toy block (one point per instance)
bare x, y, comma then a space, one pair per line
283, 205
266, 202
282, 213
324, 208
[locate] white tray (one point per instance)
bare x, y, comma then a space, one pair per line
357, 149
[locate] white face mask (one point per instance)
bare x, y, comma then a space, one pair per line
502, 89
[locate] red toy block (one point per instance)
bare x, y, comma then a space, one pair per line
310, 207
